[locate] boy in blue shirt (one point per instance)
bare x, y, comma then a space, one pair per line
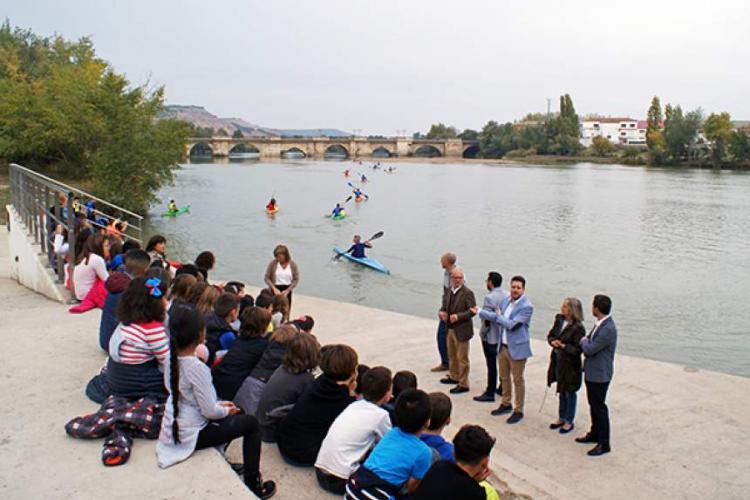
440, 417
400, 461
358, 247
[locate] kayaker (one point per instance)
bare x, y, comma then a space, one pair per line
346, 173
364, 178
271, 205
172, 207
359, 194
337, 210
357, 249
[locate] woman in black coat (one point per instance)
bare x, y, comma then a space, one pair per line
565, 360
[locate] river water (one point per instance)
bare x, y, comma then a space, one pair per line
671, 247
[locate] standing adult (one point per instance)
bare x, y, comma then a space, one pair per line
490, 333
598, 366
565, 360
448, 263
282, 273
514, 316
459, 306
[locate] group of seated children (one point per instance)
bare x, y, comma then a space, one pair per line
229, 366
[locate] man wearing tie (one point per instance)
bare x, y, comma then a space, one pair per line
514, 317
598, 365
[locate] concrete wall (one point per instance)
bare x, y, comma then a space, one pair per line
27, 262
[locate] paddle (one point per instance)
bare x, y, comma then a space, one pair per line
375, 236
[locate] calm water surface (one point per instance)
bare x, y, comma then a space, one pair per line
671, 248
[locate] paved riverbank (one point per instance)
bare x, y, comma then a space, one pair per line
676, 433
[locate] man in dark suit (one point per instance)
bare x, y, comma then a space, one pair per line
459, 306
598, 366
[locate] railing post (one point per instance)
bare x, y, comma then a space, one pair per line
35, 211
72, 236
58, 258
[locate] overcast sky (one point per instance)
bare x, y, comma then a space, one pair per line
382, 66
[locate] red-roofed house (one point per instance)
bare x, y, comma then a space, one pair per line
625, 131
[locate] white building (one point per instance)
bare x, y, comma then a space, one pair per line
624, 131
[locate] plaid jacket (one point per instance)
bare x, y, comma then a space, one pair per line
141, 418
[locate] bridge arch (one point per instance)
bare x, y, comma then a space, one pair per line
471, 151
336, 152
381, 152
293, 153
200, 150
427, 151
244, 150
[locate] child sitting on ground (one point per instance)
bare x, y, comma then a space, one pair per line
303, 323
287, 383
353, 434
302, 432
400, 461
265, 301
361, 370
136, 265
249, 393
244, 354
401, 381
448, 481
194, 419
219, 332
280, 310
440, 417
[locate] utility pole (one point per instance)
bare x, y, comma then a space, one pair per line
549, 103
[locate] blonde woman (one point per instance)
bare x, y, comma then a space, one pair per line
565, 366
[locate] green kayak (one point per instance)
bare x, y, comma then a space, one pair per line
179, 211
340, 216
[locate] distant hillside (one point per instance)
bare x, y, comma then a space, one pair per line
200, 117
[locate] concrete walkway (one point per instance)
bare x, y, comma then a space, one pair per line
675, 433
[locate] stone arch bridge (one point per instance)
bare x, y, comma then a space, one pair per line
339, 147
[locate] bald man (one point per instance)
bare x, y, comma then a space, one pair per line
459, 306
448, 263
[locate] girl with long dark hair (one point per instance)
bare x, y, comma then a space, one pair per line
194, 418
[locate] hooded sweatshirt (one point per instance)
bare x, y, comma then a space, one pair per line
116, 284
301, 433
216, 326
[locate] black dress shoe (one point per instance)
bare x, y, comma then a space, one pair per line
516, 416
459, 390
556, 425
599, 449
501, 410
487, 397
588, 438
448, 380
499, 390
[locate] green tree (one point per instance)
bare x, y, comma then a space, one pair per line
601, 146
64, 109
739, 146
654, 138
237, 134
469, 135
680, 132
441, 131
495, 140
565, 129
718, 129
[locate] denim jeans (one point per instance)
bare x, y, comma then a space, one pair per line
442, 342
567, 410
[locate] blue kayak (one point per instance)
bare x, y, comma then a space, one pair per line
367, 261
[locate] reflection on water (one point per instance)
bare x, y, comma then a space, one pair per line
670, 247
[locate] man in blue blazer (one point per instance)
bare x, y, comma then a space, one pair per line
598, 366
514, 318
490, 333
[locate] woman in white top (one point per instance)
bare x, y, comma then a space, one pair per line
194, 418
90, 265
282, 273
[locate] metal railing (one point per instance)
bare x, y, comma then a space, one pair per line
45, 204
